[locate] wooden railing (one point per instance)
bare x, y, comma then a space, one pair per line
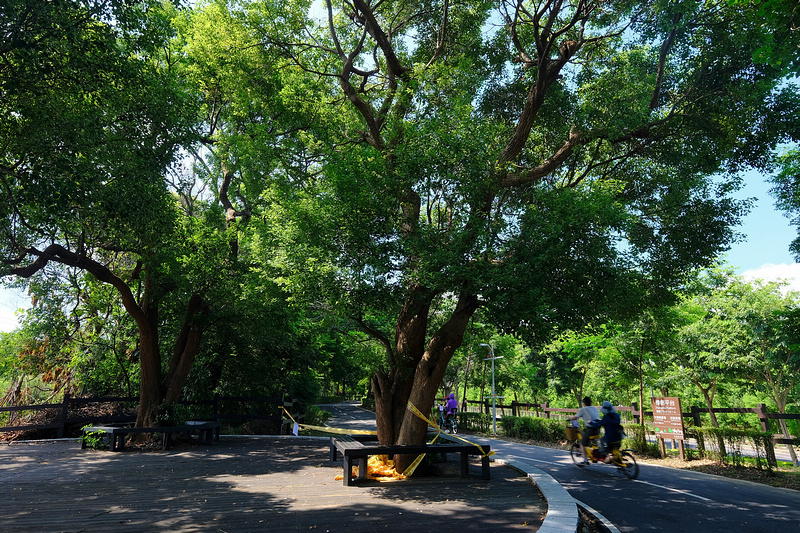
220, 408
629, 413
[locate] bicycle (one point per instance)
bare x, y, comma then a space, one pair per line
622, 459
449, 425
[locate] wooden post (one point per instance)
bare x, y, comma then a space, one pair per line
761, 411
63, 418
637, 416
682, 449
696, 416
769, 445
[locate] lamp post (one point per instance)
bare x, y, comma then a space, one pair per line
494, 396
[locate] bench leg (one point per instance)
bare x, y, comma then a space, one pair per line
348, 471
485, 467
333, 451
117, 441
361, 463
348, 462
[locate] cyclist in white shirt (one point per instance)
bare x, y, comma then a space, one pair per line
591, 421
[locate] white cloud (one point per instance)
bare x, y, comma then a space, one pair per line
789, 274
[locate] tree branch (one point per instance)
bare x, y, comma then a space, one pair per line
59, 254
665, 47
546, 167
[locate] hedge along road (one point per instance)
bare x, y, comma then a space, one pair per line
661, 499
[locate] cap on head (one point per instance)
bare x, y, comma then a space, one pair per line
607, 407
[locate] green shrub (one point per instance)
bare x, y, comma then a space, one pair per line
725, 445
94, 439
315, 416
532, 428
368, 403
636, 439
474, 422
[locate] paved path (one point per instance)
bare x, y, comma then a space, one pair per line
272, 484
661, 499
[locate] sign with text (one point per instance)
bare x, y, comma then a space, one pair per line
667, 418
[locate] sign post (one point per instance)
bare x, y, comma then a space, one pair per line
668, 421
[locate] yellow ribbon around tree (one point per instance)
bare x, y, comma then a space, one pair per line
411, 407
413, 466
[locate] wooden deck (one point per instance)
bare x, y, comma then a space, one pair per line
263, 484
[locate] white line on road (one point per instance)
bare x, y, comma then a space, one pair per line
687, 493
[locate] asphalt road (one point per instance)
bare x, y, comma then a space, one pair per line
661, 499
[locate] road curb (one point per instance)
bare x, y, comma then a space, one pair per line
562, 509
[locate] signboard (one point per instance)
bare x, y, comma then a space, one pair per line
667, 418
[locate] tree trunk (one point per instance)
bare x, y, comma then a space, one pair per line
786, 435
149, 388
708, 394
150, 358
466, 382
416, 370
641, 383
781, 403
187, 346
391, 399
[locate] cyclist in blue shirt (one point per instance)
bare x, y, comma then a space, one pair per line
611, 426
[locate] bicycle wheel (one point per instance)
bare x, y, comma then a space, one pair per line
455, 427
575, 452
628, 465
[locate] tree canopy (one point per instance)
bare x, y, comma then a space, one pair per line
549, 163
395, 168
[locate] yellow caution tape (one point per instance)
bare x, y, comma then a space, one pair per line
434, 425
326, 429
411, 407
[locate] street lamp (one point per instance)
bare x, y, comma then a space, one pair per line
494, 396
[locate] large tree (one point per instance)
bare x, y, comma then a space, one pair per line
549, 162
763, 338
91, 116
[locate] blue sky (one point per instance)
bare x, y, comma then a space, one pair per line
764, 255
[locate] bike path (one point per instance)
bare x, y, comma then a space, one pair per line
666, 499
661, 499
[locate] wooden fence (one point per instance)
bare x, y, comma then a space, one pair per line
629, 413
221, 408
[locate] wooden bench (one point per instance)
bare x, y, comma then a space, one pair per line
356, 449
207, 431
